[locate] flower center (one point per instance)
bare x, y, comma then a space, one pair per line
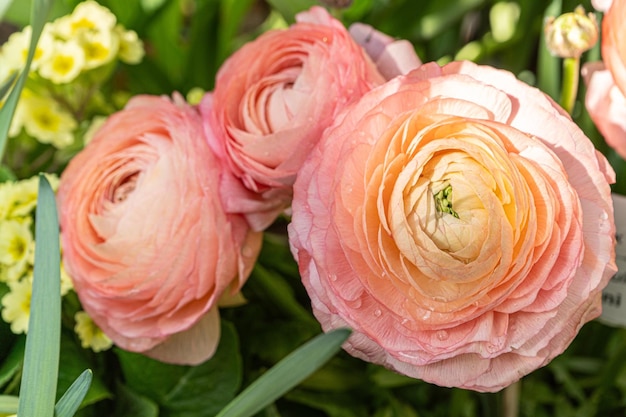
443, 201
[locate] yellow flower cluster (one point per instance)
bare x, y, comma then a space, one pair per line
17, 249
86, 41
18, 200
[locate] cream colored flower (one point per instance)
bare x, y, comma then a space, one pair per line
65, 63
15, 240
131, 50
16, 305
22, 195
46, 121
90, 335
99, 48
15, 50
87, 16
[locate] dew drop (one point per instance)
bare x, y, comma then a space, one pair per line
377, 312
442, 335
426, 315
332, 277
491, 348
604, 216
404, 321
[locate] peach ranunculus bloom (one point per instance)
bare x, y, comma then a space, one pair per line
606, 105
145, 238
614, 42
606, 82
459, 222
273, 98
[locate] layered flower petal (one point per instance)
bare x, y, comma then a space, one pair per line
272, 100
459, 222
146, 239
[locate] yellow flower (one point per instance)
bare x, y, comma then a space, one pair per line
47, 122
15, 50
90, 335
16, 305
20, 197
15, 241
65, 63
99, 48
131, 50
66, 281
87, 16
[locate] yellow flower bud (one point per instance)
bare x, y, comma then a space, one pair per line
571, 34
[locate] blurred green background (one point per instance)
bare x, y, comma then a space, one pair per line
186, 41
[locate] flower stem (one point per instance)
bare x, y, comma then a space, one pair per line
569, 91
510, 399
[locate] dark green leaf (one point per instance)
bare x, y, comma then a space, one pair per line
189, 391
131, 404
75, 360
11, 364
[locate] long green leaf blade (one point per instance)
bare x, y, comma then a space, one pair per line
73, 397
286, 374
39, 14
8, 404
41, 358
549, 67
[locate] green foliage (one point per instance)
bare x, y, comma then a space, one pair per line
184, 391
185, 48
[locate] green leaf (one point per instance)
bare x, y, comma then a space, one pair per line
289, 8
548, 66
8, 404
74, 359
6, 87
41, 358
11, 364
4, 5
131, 404
189, 391
39, 13
286, 374
73, 397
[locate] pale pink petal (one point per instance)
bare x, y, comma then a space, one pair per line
606, 105
193, 346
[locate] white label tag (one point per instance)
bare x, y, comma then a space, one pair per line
614, 295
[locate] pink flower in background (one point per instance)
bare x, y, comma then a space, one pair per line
145, 237
606, 82
272, 100
614, 42
606, 105
460, 222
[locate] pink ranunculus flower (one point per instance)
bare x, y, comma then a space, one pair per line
606, 105
614, 42
272, 100
145, 238
460, 222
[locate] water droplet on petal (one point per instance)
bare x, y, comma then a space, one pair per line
332, 277
442, 335
377, 312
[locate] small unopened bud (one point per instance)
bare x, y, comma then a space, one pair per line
571, 34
